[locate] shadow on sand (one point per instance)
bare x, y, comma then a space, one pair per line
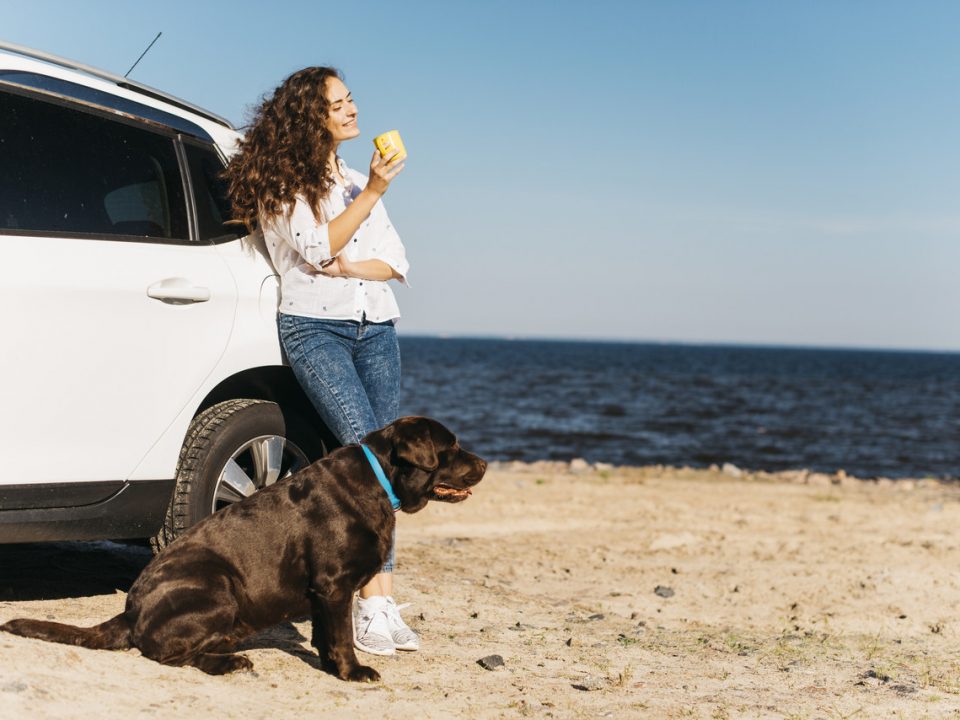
58, 570
62, 570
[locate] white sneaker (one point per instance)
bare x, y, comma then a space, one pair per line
403, 637
371, 628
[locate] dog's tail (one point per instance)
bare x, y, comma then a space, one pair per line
114, 634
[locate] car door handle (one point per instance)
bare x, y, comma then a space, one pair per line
178, 291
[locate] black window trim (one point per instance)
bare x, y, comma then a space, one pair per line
192, 224
183, 140
112, 116
88, 107
103, 99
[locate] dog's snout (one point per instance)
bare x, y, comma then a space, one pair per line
477, 472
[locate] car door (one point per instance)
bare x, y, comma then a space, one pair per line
111, 316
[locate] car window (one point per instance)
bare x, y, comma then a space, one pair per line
63, 170
104, 99
210, 192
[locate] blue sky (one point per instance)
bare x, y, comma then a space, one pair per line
749, 172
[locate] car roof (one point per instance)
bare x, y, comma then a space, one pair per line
24, 67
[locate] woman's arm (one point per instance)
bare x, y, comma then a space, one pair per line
363, 269
345, 225
390, 262
317, 242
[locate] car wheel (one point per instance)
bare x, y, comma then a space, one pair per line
232, 449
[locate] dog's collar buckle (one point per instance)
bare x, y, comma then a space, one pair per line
378, 471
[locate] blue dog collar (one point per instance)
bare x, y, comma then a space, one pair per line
378, 471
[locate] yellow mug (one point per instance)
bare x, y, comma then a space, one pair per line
389, 142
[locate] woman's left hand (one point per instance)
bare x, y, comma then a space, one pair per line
338, 267
372, 269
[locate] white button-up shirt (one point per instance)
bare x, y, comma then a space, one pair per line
299, 246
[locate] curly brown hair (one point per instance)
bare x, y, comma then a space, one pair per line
286, 150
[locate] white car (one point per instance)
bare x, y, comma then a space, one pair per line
143, 383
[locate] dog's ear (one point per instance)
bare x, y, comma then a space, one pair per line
413, 443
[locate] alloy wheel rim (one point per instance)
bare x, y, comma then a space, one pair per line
256, 464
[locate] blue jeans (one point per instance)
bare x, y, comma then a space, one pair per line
351, 373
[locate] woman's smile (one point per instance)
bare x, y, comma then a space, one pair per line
342, 115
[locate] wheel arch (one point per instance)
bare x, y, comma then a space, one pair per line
277, 383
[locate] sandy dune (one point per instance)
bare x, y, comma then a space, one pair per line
618, 593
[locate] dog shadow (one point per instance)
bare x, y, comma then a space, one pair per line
60, 570
286, 638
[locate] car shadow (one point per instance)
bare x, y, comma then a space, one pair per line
57, 570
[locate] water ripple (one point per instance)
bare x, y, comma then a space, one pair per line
873, 414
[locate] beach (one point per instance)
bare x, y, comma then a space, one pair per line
606, 592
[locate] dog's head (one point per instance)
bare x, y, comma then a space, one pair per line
428, 462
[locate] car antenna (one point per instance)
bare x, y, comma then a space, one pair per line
144, 53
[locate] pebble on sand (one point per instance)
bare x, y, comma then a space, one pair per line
491, 662
663, 591
579, 466
589, 684
731, 470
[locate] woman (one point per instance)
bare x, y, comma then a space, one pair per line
334, 248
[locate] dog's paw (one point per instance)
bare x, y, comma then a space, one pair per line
220, 664
238, 663
362, 673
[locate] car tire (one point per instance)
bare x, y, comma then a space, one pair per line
231, 450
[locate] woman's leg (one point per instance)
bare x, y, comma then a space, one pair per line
377, 360
327, 357
378, 365
321, 356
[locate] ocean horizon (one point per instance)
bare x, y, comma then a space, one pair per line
680, 343
870, 412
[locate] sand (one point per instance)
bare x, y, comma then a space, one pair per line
655, 592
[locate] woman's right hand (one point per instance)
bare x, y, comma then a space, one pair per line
345, 225
382, 171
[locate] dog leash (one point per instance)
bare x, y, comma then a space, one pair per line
384, 483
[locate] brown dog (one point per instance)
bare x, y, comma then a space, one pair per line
303, 545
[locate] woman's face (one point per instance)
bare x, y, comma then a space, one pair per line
342, 120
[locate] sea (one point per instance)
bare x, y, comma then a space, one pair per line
870, 413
